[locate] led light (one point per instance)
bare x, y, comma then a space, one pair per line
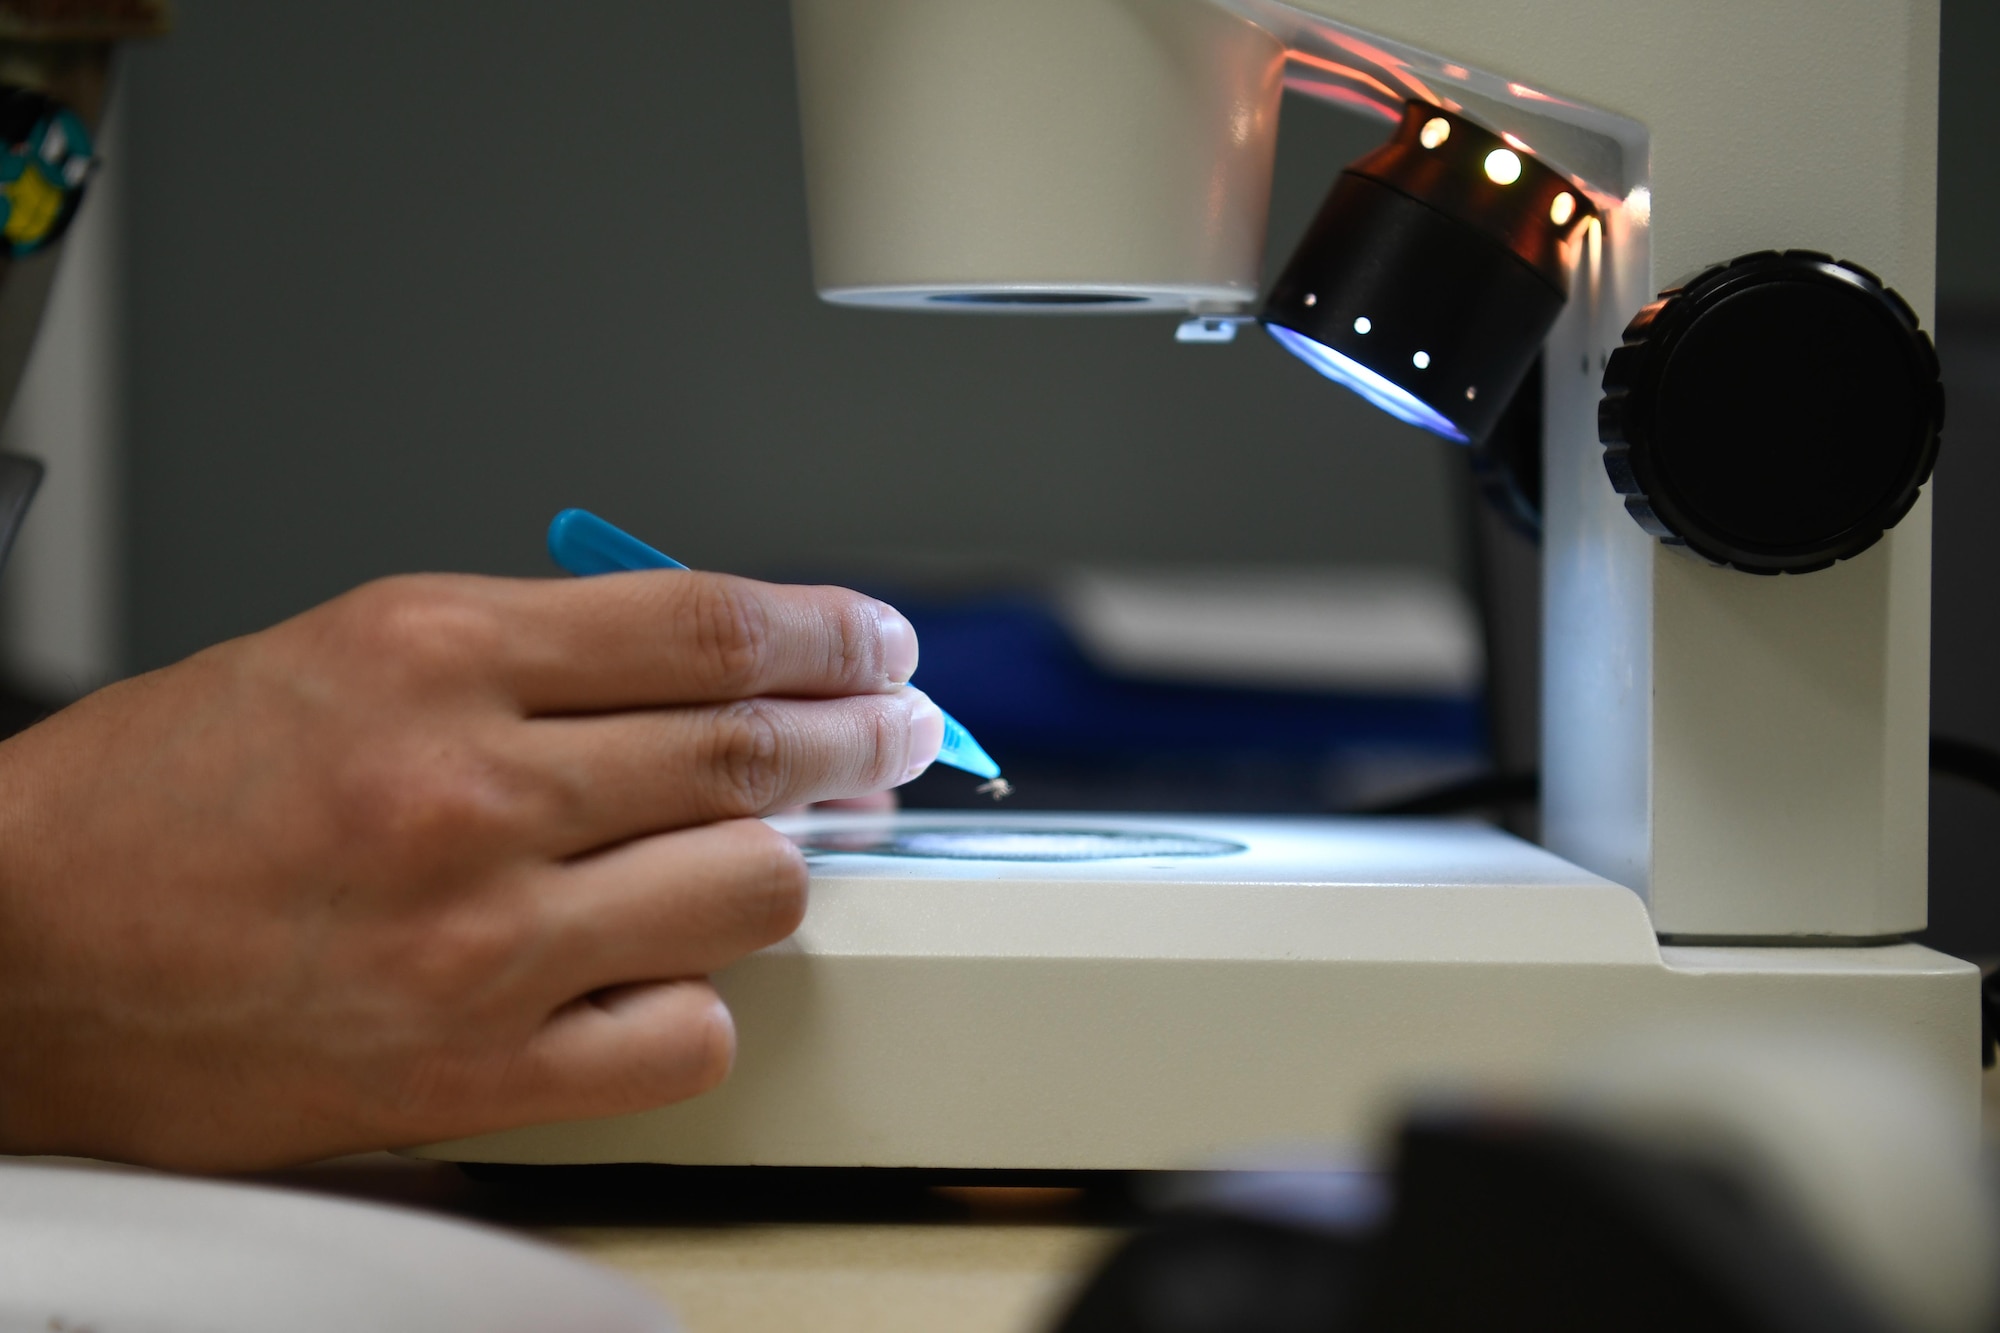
1460, 281
1384, 393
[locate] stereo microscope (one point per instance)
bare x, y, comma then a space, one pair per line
1736, 570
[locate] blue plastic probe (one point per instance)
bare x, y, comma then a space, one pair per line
585, 544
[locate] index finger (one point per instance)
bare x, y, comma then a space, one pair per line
660, 637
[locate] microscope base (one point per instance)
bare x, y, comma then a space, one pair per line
1221, 986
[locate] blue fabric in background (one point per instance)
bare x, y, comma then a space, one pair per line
1009, 670
1071, 735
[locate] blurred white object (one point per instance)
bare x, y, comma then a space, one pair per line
84, 1248
1862, 1145
1206, 329
1373, 630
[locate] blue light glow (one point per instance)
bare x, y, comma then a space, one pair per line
1385, 393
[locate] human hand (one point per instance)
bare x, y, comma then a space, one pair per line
442, 856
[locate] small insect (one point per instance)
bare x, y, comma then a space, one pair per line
999, 789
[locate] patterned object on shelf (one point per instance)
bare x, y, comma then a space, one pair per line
82, 20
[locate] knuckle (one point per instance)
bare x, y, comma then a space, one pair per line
749, 760
715, 1053
785, 885
449, 1082
890, 736
459, 958
854, 648
423, 625
428, 805
434, 1089
731, 633
778, 882
696, 1051
688, 1051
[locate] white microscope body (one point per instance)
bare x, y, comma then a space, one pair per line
1735, 768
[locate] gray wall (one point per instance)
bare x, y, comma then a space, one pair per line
1965, 643
1965, 637
410, 275
1969, 155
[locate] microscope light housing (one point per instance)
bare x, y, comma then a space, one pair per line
1432, 273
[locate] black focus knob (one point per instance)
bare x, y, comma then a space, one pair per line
1774, 414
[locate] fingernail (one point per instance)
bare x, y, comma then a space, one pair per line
899, 644
721, 1053
926, 735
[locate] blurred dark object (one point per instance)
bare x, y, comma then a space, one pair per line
1542, 1226
1202, 1274
18, 711
1952, 758
1965, 633
1507, 463
1503, 534
20, 478
1965, 761
1496, 1224
1489, 791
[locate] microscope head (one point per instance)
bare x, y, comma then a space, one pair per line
1108, 156
1037, 156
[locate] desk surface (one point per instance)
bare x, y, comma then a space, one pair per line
910, 1278
831, 1256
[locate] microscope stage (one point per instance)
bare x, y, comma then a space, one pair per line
983, 989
